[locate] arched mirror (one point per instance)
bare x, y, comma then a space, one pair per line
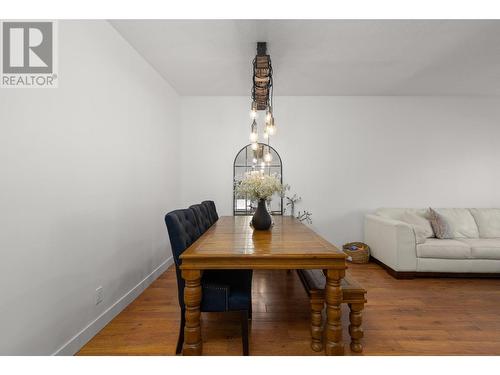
247, 160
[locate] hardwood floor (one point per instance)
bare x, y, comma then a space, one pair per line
402, 317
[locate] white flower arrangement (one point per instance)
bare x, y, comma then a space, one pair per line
256, 185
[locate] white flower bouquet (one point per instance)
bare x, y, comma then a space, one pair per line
257, 186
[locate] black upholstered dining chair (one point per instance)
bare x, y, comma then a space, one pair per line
222, 290
202, 217
212, 211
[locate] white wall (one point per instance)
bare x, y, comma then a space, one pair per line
87, 172
348, 155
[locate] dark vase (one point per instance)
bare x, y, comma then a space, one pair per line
261, 219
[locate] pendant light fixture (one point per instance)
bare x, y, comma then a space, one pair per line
262, 100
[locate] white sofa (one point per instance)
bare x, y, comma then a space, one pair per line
474, 248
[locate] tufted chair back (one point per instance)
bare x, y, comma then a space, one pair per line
202, 217
212, 211
183, 231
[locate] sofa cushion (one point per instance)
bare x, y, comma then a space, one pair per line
461, 222
397, 213
483, 248
443, 249
420, 223
488, 221
420, 234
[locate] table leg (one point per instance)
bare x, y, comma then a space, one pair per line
317, 305
192, 300
333, 296
355, 330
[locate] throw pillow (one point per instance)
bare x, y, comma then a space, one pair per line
424, 225
441, 227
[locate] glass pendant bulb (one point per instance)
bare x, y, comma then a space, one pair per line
266, 134
254, 161
254, 135
268, 157
255, 146
263, 164
271, 128
253, 111
269, 114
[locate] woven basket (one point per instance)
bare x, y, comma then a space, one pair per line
361, 255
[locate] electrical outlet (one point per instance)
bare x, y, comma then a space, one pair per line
98, 295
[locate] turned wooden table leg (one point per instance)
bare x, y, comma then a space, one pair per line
192, 300
317, 304
333, 296
355, 330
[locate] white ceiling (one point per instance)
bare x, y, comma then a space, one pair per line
323, 57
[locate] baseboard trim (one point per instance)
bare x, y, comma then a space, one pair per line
414, 274
81, 338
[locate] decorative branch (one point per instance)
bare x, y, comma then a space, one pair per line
305, 216
292, 201
301, 216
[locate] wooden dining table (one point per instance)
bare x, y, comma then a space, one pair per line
232, 244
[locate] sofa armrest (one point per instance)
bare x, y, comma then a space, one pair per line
392, 242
